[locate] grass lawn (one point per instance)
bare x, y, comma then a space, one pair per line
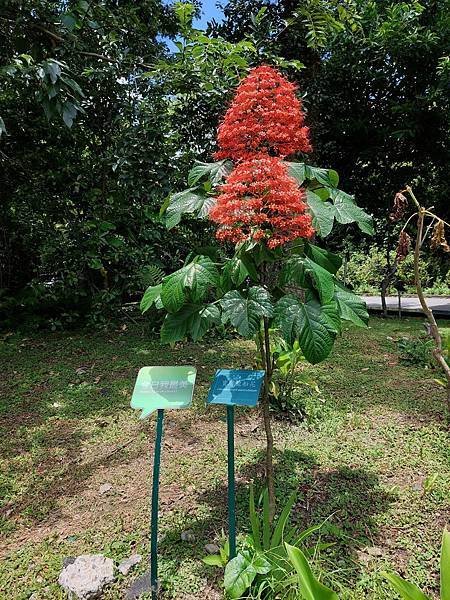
362, 463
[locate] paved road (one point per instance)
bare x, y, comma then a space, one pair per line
439, 304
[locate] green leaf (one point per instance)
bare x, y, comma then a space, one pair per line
445, 566
323, 214
215, 172
333, 177
239, 575
297, 170
2, 127
295, 270
234, 271
200, 322
175, 326
351, 307
346, 211
245, 313
279, 528
150, 296
309, 322
329, 261
408, 591
310, 587
214, 560
190, 201
301, 171
323, 280
266, 520
69, 113
198, 276
254, 521
172, 292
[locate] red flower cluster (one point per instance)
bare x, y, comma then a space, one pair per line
264, 117
260, 201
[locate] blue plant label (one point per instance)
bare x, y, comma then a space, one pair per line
163, 387
236, 387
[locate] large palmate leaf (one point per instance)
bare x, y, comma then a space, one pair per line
323, 280
215, 172
329, 261
197, 276
245, 312
322, 212
298, 266
310, 587
346, 211
201, 321
237, 269
190, 201
351, 307
175, 326
312, 324
302, 172
191, 320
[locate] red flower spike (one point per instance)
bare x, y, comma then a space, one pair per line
260, 201
265, 117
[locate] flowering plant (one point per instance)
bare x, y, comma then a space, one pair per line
271, 210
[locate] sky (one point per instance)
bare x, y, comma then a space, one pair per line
209, 11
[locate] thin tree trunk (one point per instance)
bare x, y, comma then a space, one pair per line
264, 348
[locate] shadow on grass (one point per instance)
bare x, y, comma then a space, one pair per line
346, 501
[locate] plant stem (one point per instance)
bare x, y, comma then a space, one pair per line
264, 349
434, 330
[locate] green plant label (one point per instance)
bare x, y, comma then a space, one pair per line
163, 387
236, 387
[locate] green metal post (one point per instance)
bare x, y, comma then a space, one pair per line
231, 482
154, 517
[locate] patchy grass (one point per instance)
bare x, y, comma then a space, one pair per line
66, 428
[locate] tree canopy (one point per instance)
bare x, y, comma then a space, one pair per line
100, 122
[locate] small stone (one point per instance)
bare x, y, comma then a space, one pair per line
104, 488
86, 576
374, 551
188, 536
128, 563
212, 549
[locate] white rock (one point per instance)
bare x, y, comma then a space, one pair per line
86, 577
128, 563
104, 488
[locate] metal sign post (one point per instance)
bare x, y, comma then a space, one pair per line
234, 388
159, 388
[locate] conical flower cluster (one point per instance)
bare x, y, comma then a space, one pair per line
260, 201
265, 117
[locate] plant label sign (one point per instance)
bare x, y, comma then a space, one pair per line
163, 388
236, 387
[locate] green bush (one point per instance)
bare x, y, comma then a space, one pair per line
364, 272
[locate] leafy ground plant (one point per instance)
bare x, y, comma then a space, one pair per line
276, 279
263, 564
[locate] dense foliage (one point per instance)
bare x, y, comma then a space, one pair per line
99, 122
